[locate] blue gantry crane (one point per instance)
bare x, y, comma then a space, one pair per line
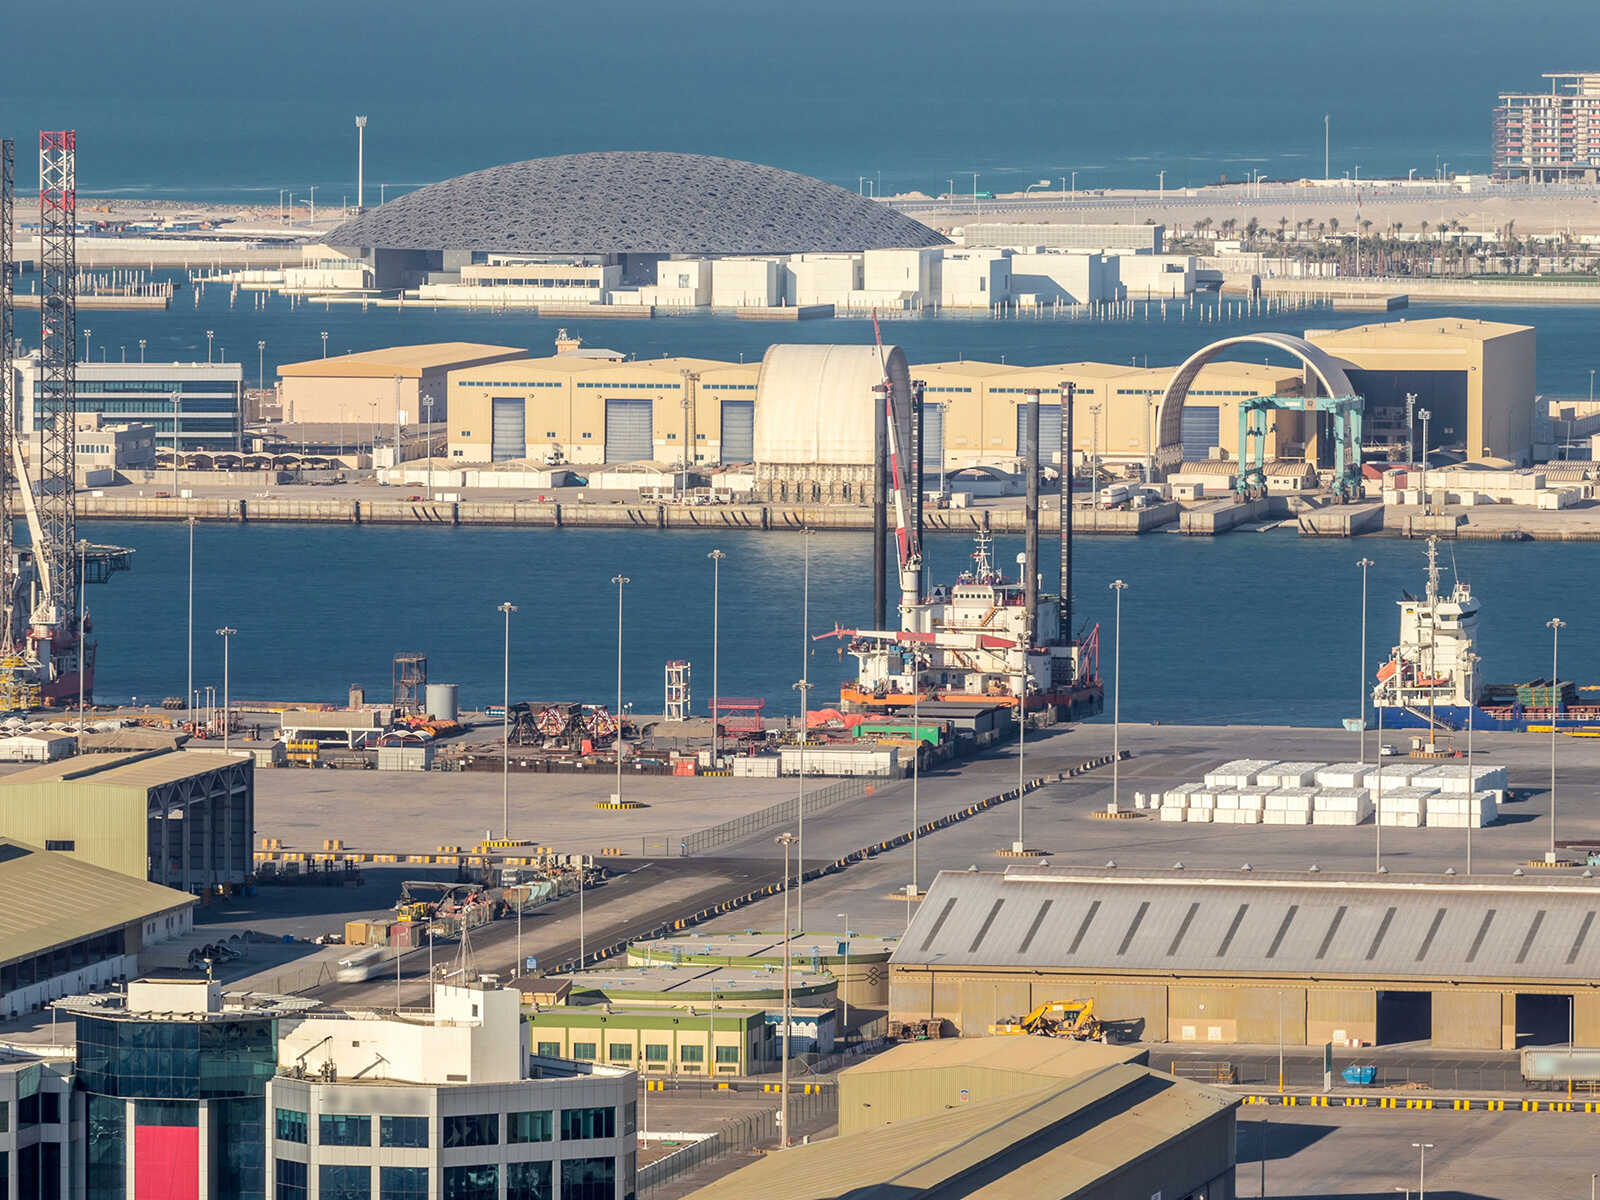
1346, 412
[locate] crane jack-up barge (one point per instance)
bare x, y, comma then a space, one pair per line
984, 638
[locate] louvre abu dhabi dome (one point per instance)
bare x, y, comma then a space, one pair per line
633, 202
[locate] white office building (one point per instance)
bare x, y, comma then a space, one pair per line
202, 401
443, 1104
1045, 276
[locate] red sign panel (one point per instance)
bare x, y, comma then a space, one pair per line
166, 1162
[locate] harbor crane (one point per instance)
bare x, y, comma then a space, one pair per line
46, 658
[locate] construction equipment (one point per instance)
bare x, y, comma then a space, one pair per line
45, 655
1073, 1019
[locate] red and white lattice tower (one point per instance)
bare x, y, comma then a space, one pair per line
55, 616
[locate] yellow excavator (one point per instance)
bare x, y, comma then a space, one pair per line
1059, 1018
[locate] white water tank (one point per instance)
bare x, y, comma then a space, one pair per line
442, 701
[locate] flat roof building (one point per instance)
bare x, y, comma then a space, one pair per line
204, 402
1142, 239
367, 387
1475, 378
1550, 137
180, 818
71, 927
1181, 957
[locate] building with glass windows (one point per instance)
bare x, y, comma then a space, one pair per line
184, 1093
174, 1081
38, 1125
202, 402
444, 1105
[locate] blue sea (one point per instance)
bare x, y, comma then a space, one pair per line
234, 102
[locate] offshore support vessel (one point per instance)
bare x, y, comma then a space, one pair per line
1430, 680
984, 638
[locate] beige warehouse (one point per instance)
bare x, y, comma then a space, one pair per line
1177, 957
371, 385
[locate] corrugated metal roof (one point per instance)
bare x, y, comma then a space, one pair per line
1178, 923
49, 899
1063, 1138
139, 769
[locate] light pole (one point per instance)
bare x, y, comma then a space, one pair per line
83, 556
191, 625
716, 557
261, 366
804, 688
1361, 707
621, 581
505, 729
785, 840
1556, 625
844, 984
88, 334
427, 408
916, 775
210, 337
177, 419
324, 343
361, 164
226, 634
1118, 587
1471, 661
1422, 1168
141, 349
1424, 415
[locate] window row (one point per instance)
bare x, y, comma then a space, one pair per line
581, 1179
473, 1129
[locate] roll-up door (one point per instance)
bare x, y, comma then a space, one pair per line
509, 429
629, 436
1049, 431
738, 431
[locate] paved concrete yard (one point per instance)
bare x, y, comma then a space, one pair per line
1057, 820
1361, 1154
412, 812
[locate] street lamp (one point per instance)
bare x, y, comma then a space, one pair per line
1361, 708
83, 556
844, 984
1422, 1168
621, 581
210, 336
785, 840
803, 686
1118, 587
716, 557
324, 343
141, 349
1556, 625
1424, 415
427, 408
915, 889
177, 419
1470, 661
226, 634
261, 366
505, 726
87, 335
190, 692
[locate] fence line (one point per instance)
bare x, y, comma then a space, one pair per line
745, 1133
771, 817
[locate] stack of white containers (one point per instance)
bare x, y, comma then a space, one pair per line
1288, 806
1405, 807
1288, 774
1341, 806
1411, 795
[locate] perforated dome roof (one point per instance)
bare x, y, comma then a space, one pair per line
633, 202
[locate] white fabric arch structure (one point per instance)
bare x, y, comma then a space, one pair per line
1328, 370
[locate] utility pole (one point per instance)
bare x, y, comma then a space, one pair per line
226, 634
716, 557
1556, 625
785, 840
1326, 119
361, 164
1361, 708
505, 725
